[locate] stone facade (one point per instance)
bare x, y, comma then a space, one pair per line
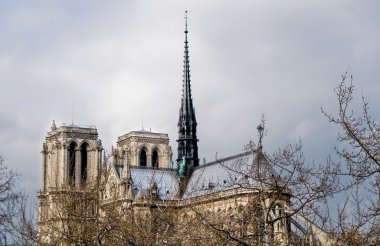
71, 162
76, 175
71, 156
143, 148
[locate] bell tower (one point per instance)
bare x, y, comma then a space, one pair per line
71, 158
71, 168
187, 123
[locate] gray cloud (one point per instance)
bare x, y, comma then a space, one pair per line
117, 59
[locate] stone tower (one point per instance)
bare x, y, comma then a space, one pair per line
71, 158
144, 149
71, 165
187, 123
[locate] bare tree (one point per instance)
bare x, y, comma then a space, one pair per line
10, 198
278, 190
255, 209
358, 219
81, 217
283, 189
310, 186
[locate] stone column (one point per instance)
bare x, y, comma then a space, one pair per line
58, 179
134, 155
98, 165
65, 162
136, 158
162, 161
148, 159
90, 165
77, 168
43, 152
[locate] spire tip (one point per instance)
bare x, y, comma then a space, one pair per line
186, 21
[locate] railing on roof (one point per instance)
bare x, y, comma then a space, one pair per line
79, 126
154, 168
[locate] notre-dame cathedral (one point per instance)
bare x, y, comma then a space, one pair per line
143, 195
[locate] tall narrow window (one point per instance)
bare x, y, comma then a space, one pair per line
143, 158
155, 159
83, 169
257, 212
71, 163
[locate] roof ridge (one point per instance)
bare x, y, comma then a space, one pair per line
225, 159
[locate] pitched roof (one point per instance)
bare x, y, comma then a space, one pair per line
225, 174
238, 171
165, 179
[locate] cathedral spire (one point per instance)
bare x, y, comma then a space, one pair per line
187, 124
187, 102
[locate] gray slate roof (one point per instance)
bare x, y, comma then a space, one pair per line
221, 175
165, 179
224, 174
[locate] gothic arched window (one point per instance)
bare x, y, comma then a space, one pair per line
143, 158
155, 159
71, 163
83, 169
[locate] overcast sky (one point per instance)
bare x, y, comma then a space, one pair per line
117, 60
